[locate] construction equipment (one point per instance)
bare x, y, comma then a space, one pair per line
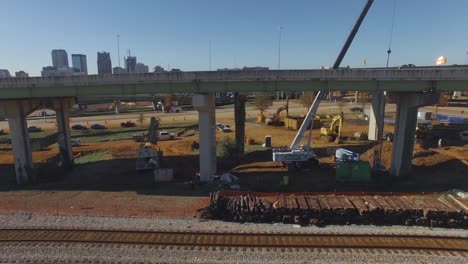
333, 133
275, 120
151, 136
295, 157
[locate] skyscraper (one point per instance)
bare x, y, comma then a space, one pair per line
130, 64
104, 63
21, 74
141, 68
59, 58
79, 62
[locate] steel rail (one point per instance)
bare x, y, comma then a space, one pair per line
258, 240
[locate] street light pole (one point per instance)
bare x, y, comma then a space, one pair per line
279, 54
118, 49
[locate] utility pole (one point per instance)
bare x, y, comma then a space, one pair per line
279, 54
118, 49
209, 56
466, 58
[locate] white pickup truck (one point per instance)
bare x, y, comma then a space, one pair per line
164, 135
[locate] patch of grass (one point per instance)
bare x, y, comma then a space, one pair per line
92, 157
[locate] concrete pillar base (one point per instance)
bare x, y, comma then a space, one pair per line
62, 110
16, 112
205, 104
405, 128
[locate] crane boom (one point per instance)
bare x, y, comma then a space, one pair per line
295, 154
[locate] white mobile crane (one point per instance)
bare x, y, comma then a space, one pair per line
296, 156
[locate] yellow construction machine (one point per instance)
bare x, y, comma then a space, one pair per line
333, 133
275, 120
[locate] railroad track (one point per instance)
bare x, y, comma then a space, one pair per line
188, 240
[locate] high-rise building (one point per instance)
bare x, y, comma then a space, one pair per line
119, 70
130, 64
21, 74
59, 58
79, 62
104, 63
158, 69
4, 73
141, 68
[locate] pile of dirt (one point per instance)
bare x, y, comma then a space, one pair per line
386, 155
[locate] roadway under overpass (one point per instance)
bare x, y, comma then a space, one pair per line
410, 88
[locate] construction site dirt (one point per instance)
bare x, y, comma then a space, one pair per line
104, 180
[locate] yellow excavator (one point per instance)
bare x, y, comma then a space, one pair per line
275, 120
333, 133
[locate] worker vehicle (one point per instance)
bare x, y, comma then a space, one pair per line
296, 156
75, 142
98, 126
164, 135
223, 128
275, 120
464, 135
79, 127
333, 133
152, 134
128, 124
356, 109
34, 129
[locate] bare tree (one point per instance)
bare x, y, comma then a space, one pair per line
141, 119
306, 99
263, 101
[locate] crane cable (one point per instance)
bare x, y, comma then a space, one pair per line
391, 33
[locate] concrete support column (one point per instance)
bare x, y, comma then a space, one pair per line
205, 104
117, 107
377, 114
20, 140
405, 128
403, 140
62, 113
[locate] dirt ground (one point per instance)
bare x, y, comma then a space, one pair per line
111, 186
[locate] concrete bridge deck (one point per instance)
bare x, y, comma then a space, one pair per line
395, 80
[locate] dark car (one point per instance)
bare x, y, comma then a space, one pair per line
34, 129
128, 124
388, 137
356, 109
98, 126
79, 127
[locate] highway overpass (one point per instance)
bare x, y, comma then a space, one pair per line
410, 88
393, 80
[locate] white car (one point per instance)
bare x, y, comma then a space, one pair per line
164, 135
223, 127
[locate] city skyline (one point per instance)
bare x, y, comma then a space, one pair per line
240, 34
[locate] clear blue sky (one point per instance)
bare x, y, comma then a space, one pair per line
242, 32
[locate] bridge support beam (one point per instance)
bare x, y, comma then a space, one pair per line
117, 107
16, 112
205, 104
405, 128
62, 114
376, 118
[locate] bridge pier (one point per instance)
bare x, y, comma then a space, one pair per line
205, 104
62, 113
376, 125
117, 107
16, 112
405, 128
